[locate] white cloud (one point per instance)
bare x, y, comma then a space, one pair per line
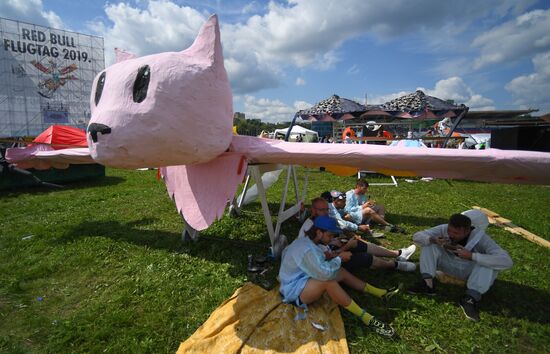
273, 111
248, 75
301, 33
299, 105
162, 26
524, 36
533, 90
300, 81
31, 11
251, 7
305, 32
453, 88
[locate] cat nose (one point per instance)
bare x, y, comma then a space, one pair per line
95, 128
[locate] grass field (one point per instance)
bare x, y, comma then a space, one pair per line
100, 267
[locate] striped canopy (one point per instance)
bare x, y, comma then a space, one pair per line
332, 108
418, 105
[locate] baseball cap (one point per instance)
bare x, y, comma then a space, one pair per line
327, 223
327, 196
337, 195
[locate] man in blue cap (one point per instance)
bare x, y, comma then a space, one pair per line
306, 274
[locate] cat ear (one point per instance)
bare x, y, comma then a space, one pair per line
208, 43
122, 55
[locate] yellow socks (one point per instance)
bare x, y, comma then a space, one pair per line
374, 290
359, 312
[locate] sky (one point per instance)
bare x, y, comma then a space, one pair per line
283, 56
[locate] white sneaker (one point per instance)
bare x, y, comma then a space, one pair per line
406, 253
406, 266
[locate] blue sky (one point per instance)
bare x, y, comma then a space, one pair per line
282, 56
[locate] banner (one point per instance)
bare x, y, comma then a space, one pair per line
46, 76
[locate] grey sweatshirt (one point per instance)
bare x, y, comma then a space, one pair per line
486, 252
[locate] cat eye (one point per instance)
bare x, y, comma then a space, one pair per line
141, 84
99, 87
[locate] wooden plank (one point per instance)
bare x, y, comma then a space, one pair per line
507, 225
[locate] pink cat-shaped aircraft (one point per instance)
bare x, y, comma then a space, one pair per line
175, 110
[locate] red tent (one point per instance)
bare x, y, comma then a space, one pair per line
62, 136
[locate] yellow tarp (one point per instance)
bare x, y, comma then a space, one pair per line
254, 320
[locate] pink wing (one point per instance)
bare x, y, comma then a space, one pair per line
201, 192
42, 157
491, 165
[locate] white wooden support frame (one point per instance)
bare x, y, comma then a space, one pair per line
278, 240
393, 183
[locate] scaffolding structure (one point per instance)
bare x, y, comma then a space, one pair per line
46, 76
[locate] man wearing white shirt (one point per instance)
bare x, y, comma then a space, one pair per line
463, 249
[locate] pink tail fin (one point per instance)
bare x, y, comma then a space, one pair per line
201, 192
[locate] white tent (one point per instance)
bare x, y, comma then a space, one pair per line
308, 135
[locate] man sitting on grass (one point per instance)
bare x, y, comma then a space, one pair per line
346, 221
362, 210
336, 204
463, 249
363, 254
306, 274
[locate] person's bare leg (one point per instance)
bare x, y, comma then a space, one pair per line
380, 251
314, 289
350, 280
368, 212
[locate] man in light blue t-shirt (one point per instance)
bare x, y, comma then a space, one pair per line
361, 210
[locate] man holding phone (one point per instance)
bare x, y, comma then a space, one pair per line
463, 249
360, 209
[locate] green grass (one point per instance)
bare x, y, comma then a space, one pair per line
106, 271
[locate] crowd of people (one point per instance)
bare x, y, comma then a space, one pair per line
328, 252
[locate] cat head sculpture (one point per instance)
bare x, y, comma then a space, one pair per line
165, 109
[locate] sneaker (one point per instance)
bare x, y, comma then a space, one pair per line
469, 307
381, 328
391, 292
406, 253
421, 288
394, 228
406, 266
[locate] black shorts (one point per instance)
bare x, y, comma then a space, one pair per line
359, 259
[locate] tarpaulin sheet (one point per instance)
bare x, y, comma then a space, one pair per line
255, 320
